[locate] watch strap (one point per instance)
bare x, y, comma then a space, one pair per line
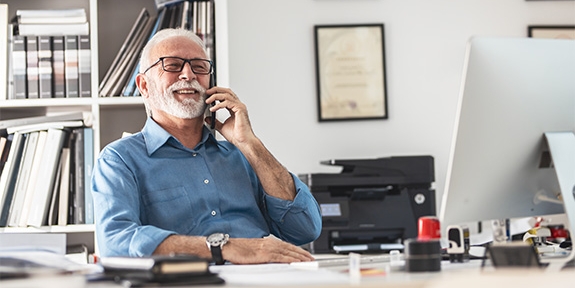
217, 255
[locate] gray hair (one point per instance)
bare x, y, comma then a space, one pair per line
162, 35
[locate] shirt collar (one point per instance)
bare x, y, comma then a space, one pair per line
155, 136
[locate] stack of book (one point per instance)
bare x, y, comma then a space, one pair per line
46, 165
159, 270
3, 50
197, 16
50, 54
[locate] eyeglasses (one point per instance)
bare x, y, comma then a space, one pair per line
176, 64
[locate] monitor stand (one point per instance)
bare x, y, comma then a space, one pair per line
562, 149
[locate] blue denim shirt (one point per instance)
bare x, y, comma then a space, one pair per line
148, 186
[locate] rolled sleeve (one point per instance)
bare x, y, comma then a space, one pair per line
146, 239
297, 221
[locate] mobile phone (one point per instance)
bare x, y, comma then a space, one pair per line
212, 83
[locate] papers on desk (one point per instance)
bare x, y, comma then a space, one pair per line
46, 281
30, 258
277, 275
41, 268
341, 260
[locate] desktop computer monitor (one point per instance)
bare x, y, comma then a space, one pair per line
513, 91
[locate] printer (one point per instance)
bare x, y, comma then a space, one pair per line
372, 205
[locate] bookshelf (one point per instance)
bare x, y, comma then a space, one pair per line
110, 22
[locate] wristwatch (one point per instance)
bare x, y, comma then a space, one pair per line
215, 243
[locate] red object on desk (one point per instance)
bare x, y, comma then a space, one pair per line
558, 231
428, 228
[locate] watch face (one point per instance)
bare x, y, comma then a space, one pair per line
217, 239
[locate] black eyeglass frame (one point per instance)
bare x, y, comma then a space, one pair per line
188, 61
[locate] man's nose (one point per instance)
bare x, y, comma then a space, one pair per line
187, 72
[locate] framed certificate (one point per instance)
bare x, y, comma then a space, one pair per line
552, 32
350, 72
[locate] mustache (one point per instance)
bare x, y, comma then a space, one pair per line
194, 84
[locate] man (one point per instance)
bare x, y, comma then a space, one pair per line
167, 188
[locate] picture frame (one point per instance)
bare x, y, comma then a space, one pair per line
350, 72
551, 31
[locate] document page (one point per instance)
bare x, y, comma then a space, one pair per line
277, 274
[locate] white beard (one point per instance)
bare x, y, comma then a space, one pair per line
188, 108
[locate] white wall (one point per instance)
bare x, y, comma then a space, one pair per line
272, 69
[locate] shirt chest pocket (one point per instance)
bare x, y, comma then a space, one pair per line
170, 209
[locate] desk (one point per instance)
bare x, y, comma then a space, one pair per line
457, 275
468, 275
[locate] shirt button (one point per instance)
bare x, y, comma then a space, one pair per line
206, 181
195, 154
213, 213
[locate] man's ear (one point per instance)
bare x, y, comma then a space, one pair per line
142, 84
